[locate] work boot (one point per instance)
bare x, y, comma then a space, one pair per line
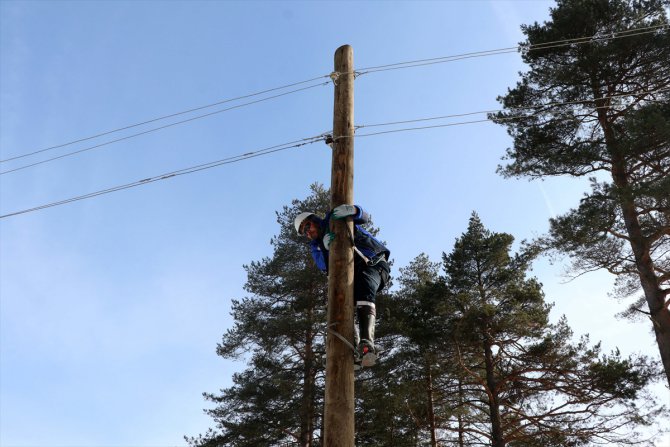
366, 347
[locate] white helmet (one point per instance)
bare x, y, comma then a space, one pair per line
300, 218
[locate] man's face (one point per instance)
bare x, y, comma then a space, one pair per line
310, 229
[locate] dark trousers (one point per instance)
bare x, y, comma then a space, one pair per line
368, 280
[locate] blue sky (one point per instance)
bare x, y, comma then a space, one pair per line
111, 308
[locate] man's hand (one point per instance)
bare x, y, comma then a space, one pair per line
328, 239
342, 211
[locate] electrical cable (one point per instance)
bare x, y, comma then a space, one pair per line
227, 161
167, 116
69, 154
317, 85
165, 176
515, 109
542, 46
294, 144
374, 69
408, 129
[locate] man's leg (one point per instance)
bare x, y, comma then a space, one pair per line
366, 284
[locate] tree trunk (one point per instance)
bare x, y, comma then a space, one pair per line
461, 428
431, 408
494, 404
308, 393
660, 316
655, 297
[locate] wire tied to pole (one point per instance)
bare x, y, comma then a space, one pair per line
334, 76
328, 139
341, 337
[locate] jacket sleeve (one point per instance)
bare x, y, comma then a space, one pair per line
362, 217
320, 257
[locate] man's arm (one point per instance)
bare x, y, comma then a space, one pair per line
359, 215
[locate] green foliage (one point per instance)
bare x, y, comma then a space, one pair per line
470, 357
602, 109
531, 383
490, 285
606, 83
279, 331
536, 386
473, 360
623, 378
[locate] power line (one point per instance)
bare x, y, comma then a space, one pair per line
504, 118
516, 109
542, 46
168, 175
169, 116
460, 115
374, 69
228, 160
303, 142
69, 154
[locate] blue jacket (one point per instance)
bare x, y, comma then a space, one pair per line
364, 241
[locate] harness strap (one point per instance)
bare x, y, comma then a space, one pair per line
353, 244
341, 337
368, 261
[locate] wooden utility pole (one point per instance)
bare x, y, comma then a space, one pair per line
339, 400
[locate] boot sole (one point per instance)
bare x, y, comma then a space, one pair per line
368, 360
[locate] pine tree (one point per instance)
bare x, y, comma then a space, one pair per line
414, 397
614, 125
279, 331
533, 384
416, 325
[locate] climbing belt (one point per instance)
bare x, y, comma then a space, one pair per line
341, 337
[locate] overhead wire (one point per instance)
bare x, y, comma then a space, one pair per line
172, 174
460, 123
502, 118
395, 66
302, 142
172, 115
515, 109
232, 160
297, 143
542, 46
69, 154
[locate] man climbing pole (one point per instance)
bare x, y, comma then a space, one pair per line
371, 268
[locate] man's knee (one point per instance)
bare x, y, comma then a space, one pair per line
366, 308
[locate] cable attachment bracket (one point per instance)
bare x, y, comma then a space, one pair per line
328, 139
334, 76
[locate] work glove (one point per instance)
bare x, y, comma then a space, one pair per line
342, 211
328, 239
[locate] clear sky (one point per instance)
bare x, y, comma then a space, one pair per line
111, 307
